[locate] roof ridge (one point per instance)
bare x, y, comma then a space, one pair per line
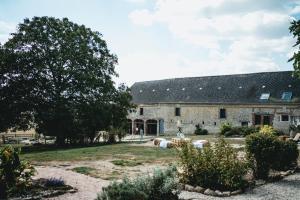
252, 73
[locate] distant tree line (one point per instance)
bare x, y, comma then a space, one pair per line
56, 77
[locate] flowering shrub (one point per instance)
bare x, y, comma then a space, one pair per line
15, 175
216, 167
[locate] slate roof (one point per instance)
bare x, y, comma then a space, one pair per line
226, 89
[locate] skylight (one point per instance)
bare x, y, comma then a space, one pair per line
264, 96
183, 88
141, 91
168, 89
286, 96
153, 90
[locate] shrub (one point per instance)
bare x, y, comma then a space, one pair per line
15, 175
200, 131
162, 185
261, 149
287, 155
249, 130
225, 127
268, 152
233, 131
215, 167
54, 182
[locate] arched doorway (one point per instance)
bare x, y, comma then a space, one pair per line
151, 125
129, 126
138, 125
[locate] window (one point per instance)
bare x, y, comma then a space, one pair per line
141, 111
286, 96
285, 118
264, 96
177, 111
244, 124
222, 113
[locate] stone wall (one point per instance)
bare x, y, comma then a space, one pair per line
208, 115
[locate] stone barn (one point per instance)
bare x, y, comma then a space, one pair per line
269, 98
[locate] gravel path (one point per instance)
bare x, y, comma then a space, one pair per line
88, 187
286, 189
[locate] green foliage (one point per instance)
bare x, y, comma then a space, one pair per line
216, 167
200, 131
129, 163
225, 127
161, 185
59, 75
268, 152
287, 155
295, 30
15, 175
83, 170
228, 130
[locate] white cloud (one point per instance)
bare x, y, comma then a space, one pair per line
5, 29
240, 35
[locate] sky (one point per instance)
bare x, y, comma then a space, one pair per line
158, 39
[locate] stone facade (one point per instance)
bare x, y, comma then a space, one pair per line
267, 98
208, 116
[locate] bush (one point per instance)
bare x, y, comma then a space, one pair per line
215, 167
287, 155
225, 127
268, 152
261, 148
15, 175
162, 185
200, 131
233, 131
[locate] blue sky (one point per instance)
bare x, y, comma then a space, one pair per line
156, 39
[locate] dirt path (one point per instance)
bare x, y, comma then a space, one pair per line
88, 187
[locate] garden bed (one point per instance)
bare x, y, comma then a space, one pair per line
39, 190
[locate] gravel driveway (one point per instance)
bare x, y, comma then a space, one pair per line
286, 189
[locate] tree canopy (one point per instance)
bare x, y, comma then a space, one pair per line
58, 74
295, 30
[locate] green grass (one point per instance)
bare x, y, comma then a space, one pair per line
83, 170
116, 151
127, 163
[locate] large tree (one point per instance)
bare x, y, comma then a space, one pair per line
60, 73
295, 30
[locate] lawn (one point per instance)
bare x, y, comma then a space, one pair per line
115, 151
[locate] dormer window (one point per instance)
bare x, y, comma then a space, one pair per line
286, 96
264, 96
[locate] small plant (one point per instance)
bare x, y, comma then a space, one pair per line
161, 185
83, 170
129, 163
225, 127
54, 182
15, 175
216, 167
200, 131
